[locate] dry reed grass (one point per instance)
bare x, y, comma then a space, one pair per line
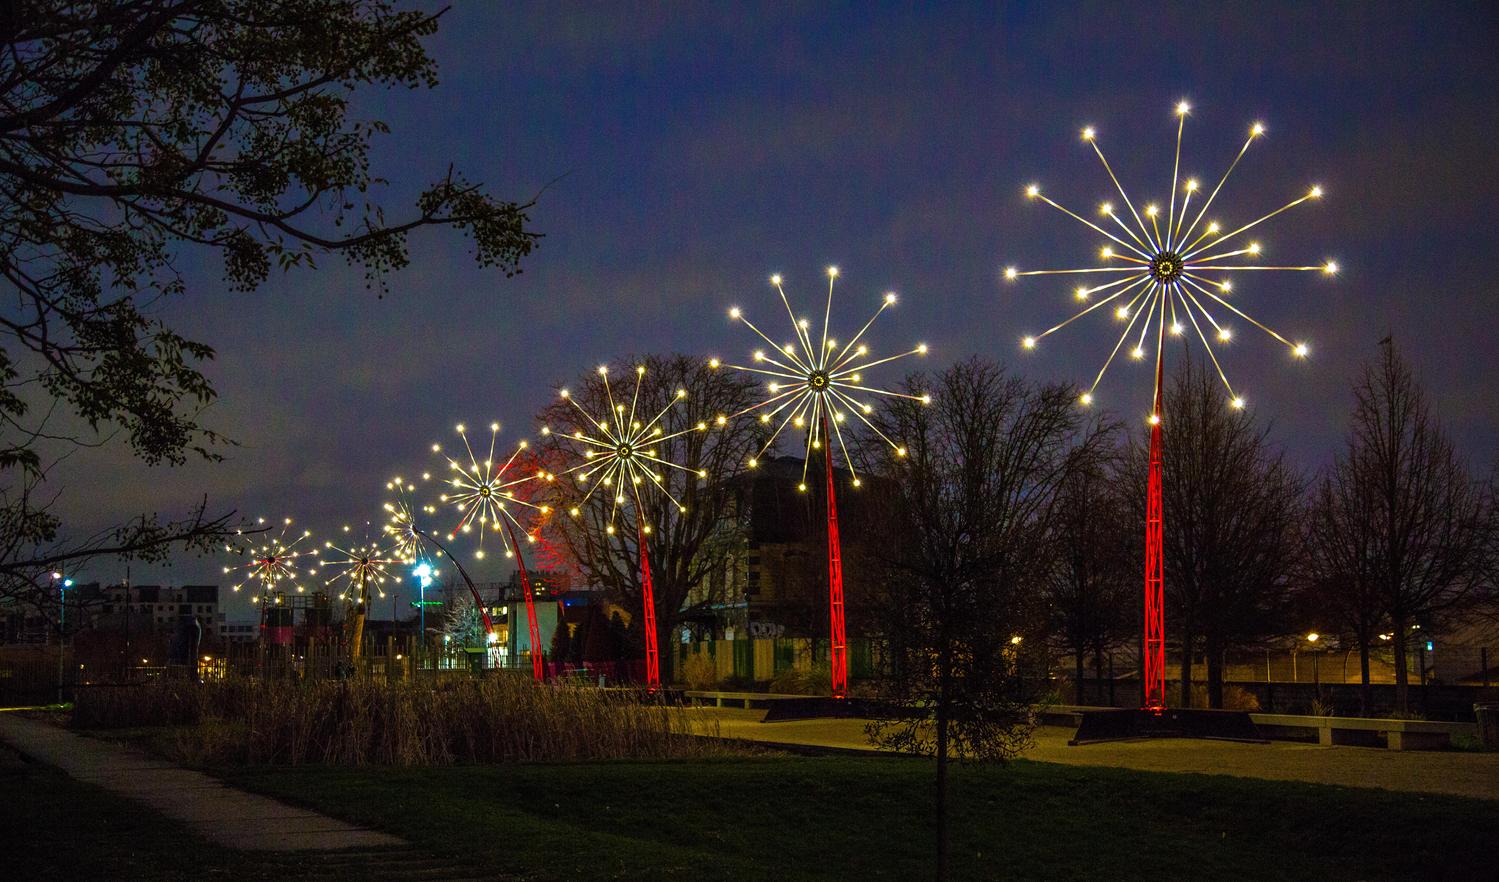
369, 722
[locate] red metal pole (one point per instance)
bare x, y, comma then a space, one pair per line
1153, 695
648, 602
538, 672
838, 660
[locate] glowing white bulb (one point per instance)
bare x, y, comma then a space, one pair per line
713, 362
832, 272
1152, 210
1089, 133
1155, 419
1082, 293
1176, 328
1316, 192
1106, 208
1029, 342
1182, 108
1011, 272
1137, 353
890, 297
1254, 248
1238, 403
775, 279
1257, 129
1192, 185
1301, 350
1225, 334
1032, 191
921, 349
733, 312
1105, 252
1121, 313
1086, 398
1331, 268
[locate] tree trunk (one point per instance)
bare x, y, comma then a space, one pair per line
1215, 674
942, 868
1077, 688
1365, 693
1186, 670
1402, 687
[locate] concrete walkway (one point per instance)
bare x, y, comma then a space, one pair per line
222, 814
1445, 772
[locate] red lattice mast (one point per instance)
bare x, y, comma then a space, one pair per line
838, 656
1153, 694
648, 603
538, 670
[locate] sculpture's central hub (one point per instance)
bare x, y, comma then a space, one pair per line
1166, 266
624, 451
484, 490
818, 380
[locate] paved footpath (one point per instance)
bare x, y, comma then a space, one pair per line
222, 814
1448, 772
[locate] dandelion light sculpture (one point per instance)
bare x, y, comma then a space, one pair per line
359, 568
1160, 277
622, 466
813, 384
482, 492
273, 565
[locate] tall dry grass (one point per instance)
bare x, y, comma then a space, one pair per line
368, 722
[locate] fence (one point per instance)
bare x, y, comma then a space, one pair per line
760, 660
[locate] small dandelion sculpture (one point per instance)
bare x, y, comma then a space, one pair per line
622, 453
1161, 277
359, 568
813, 387
483, 493
272, 566
402, 527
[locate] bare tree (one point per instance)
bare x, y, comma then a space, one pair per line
1342, 582
134, 131
965, 546
1231, 524
1093, 591
688, 550
1421, 523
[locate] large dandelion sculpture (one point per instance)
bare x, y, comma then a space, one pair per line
813, 387
622, 455
482, 493
1160, 277
273, 565
359, 568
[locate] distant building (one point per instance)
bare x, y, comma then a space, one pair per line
155, 608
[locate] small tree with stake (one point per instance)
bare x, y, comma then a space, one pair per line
970, 509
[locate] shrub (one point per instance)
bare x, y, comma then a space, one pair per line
699, 671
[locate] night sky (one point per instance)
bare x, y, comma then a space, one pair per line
697, 149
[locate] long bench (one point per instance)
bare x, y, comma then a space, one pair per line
746, 700
1398, 734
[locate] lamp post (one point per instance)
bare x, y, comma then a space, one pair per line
1312, 639
423, 575
63, 584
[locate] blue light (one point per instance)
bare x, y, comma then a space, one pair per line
423, 573
67, 583
1429, 646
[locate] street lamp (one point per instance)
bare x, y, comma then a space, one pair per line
423, 573
1312, 639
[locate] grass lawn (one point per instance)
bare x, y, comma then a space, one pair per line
787, 819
